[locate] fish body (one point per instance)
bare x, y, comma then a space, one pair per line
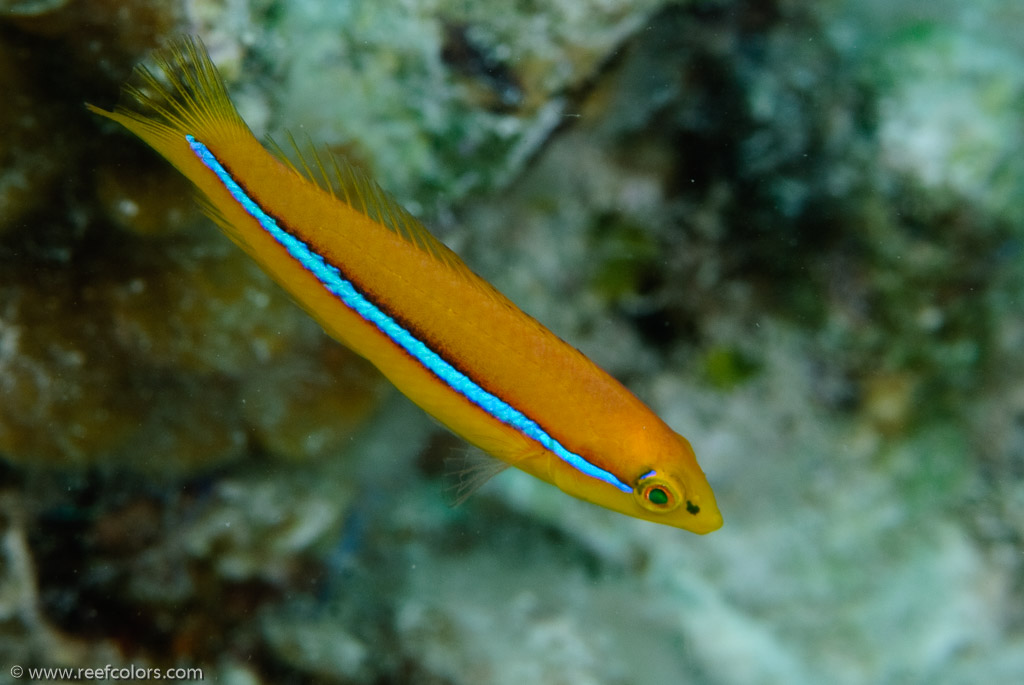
381, 284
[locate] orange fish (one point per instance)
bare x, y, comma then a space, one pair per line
380, 283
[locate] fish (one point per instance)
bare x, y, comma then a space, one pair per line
380, 283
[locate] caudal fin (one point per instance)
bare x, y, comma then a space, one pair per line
186, 97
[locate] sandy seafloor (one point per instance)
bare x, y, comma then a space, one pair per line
793, 228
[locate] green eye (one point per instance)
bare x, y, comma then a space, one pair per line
657, 496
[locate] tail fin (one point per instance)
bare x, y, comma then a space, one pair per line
189, 99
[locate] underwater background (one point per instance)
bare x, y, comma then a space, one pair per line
792, 227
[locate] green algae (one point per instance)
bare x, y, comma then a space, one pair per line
726, 368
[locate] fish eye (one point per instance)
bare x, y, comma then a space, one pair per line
656, 494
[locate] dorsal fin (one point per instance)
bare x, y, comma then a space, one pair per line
335, 174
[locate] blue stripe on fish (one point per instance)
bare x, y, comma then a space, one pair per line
333, 280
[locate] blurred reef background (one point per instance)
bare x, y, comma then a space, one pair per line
793, 227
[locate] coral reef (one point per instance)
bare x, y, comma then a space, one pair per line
793, 227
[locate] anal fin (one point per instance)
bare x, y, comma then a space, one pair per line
467, 473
